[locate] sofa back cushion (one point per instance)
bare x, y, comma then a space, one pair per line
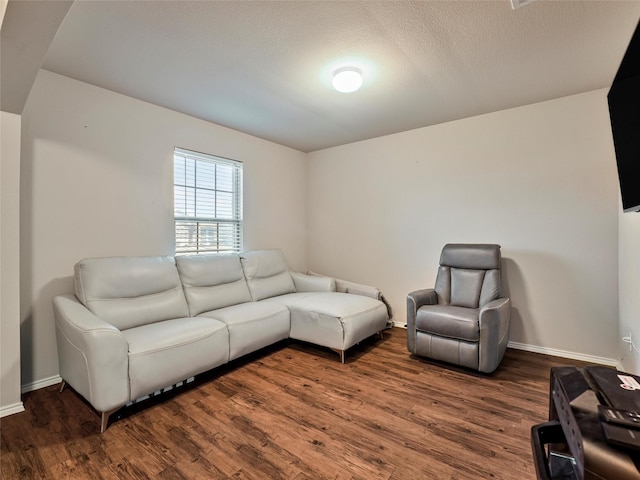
131, 291
212, 281
267, 273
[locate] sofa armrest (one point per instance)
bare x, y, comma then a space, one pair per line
93, 355
313, 283
495, 318
345, 286
415, 300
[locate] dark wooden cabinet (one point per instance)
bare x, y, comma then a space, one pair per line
571, 445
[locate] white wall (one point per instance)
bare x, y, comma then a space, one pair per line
97, 172
10, 128
540, 180
629, 270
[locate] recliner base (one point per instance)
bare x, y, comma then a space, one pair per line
448, 350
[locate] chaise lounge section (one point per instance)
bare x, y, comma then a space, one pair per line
139, 324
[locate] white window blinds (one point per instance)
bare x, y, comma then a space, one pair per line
207, 199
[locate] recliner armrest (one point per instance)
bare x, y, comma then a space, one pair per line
419, 298
497, 313
415, 300
93, 354
494, 320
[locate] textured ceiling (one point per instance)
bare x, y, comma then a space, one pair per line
264, 67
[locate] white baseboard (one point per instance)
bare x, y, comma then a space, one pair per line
38, 384
11, 409
611, 362
551, 351
29, 387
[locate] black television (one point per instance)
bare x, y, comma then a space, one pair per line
624, 111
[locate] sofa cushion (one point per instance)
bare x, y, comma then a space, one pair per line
131, 291
212, 281
164, 353
253, 326
331, 319
267, 273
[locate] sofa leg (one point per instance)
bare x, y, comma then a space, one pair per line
104, 422
339, 352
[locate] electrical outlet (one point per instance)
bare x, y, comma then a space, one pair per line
629, 341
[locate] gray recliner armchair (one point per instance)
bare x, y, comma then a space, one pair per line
463, 320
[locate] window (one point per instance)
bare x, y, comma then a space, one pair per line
207, 203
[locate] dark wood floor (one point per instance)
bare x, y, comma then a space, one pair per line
294, 412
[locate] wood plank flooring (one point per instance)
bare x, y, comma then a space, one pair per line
293, 411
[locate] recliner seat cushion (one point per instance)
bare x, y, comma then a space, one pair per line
167, 352
449, 321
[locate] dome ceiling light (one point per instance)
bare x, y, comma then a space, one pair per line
347, 79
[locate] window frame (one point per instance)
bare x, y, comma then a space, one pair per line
194, 232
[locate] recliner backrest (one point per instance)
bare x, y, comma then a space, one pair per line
131, 291
469, 275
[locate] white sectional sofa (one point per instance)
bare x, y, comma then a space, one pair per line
139, 324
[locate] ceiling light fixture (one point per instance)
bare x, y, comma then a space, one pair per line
347, 79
